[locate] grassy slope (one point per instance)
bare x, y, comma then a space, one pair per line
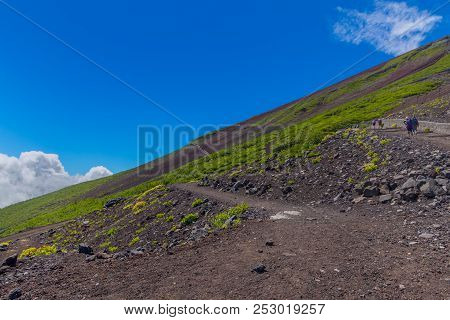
292, 141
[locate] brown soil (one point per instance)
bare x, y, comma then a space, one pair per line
321, 254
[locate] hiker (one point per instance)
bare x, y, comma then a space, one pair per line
380, 124
374, 123
415, 124
409, 125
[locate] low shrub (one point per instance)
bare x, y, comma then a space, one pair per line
189, 219
45, 250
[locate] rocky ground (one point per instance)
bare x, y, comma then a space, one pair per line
354, 167
365, 215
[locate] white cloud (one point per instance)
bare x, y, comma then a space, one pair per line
36, 173
393, 27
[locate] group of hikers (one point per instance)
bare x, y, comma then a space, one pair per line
412, 124
378, 122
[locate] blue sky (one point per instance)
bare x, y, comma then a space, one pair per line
208, 62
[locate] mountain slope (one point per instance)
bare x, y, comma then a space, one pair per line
299, 126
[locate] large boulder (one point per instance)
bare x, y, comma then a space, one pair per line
10, 261
113, 202
410, 195
371, 191
430, 189
410, 183
85, 249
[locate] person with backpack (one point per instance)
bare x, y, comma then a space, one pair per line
374, 123
380, 124
409, 125
415, 124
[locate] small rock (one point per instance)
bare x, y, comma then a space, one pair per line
260, 268
385, 198
269, 243
137, 253
90, 258
103, 256
3, 269
426, 235
401, 287
15, 294
287, 190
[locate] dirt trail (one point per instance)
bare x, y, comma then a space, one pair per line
275, 208
436, 139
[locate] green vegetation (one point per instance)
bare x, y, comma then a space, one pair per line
5, 244
139, 206
140, 230
105, 244
369, 167
189, 219
197, 202
134, 241
160, 215
292, 141
112, 232
45, 250
316, 160
170, 218
112, 249
219, 220
168, 203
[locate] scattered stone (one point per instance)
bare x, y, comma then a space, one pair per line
3, 269
358, 200
260, 268
385, 198
137, 253
288, 254
90, 258
103, 256
371, 191
252, 191
85, 249
426, 235
15, 294
269, 243
401, 287
287, 190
